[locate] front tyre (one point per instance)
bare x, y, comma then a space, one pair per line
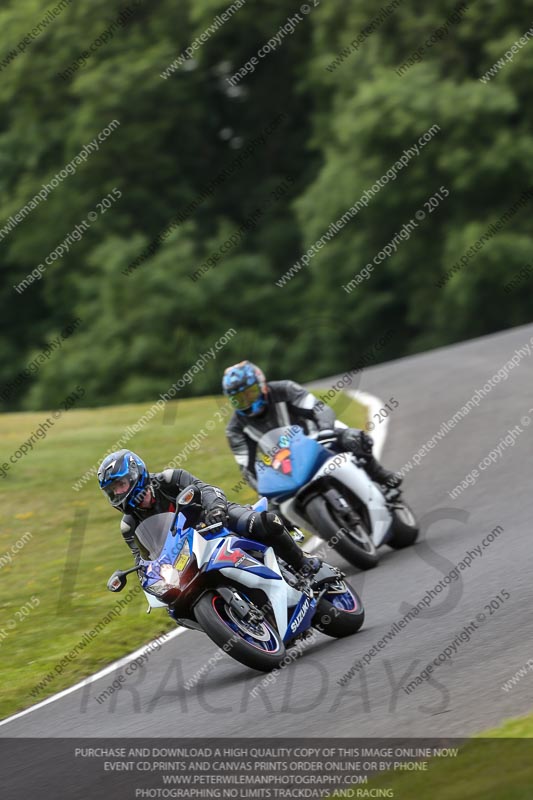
404, 527
339, 611
350, 540
256, 644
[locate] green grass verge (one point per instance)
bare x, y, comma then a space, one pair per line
493, 766
38, 498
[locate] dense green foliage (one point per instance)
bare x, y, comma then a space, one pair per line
335, 131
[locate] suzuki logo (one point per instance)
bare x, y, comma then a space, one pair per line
301, 614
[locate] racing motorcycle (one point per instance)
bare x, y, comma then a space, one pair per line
234, 589
330, 495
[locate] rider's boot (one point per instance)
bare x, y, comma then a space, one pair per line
269, 528
378, 473
361, 444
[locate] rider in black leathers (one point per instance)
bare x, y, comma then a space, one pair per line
139, 494
261, 406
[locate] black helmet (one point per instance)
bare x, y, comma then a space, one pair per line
124, 478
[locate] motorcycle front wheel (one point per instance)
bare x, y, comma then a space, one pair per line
256, 644
339, 611
352, 542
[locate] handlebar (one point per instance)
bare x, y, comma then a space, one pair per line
325, 436
209, 527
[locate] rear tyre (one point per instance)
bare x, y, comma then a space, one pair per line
404, 527
339, 612
255, 644
354, 543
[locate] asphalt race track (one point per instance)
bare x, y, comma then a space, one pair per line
464, 694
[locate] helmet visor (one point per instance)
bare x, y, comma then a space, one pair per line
246, 397
119, 489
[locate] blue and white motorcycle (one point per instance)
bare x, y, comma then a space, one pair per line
327, 493
234, 589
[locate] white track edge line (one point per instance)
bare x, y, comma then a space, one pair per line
379, 436
374, 405
91, 678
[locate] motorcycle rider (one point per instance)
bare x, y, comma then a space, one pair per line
130, 488
261, 406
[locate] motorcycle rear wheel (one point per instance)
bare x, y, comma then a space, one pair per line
404, 527
256, 645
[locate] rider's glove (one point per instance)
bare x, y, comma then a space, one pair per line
217, 514
357, 442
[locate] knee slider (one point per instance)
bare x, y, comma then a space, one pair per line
273, 524
266, 523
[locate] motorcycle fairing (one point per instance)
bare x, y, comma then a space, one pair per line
280, 594
250, 572
301, 617
357, 481
306, 456
230, 553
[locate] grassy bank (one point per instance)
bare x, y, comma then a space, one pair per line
495, 765
69, 541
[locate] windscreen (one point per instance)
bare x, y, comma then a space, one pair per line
152, 533
276, 440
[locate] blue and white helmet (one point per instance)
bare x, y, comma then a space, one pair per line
123, 477
244, 384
